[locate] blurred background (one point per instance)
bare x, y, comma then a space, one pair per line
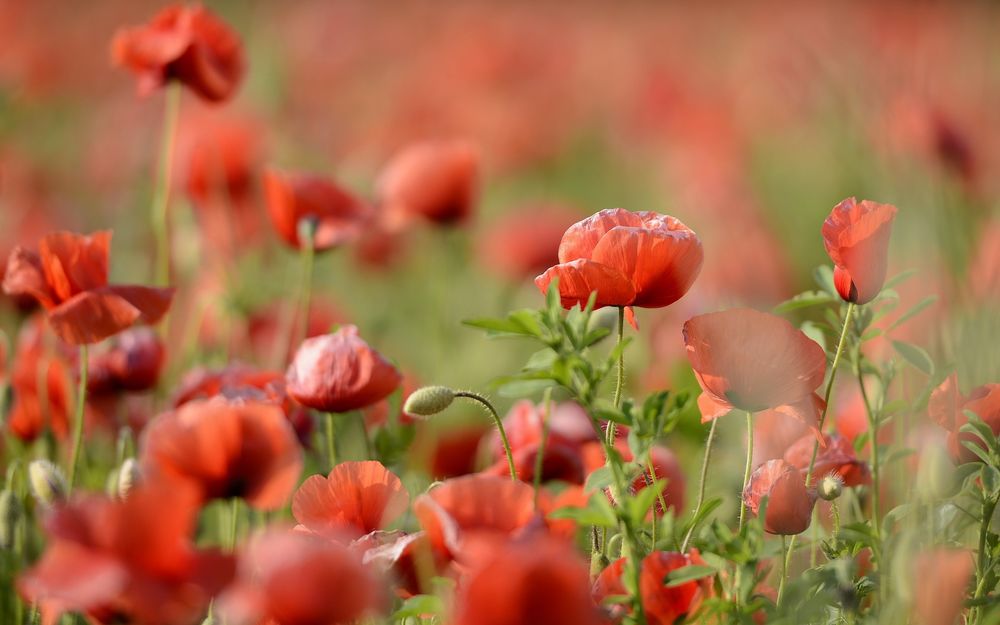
747, 121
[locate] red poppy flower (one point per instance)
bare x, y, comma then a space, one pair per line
69, 277
436, 180
667, 468
608, 585
837, 457
290, 578
356, 498
939, 585
130, 361
466, 516
856, 237
560, 462
185, 43
226, 450
218, 157
947, 407
339, 372
640, 259
406, 558
127, 561
663, 605
535, 582
448, 451
754, 361
337, 215
525, 243
562, 459
40, 381
789, 504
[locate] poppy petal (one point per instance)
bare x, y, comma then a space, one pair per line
580, 239
92, 316
25, 276
579, 278
358, 496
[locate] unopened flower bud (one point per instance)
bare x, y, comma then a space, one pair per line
428, 400
10, 516
128, 477
830, 487
47, 482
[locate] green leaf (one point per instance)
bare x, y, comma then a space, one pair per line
597, 512
977, 449
599, 479
542, 359
915, 310
991, 481
641, 502
823, 276
522, 388
899, 278
806, 299
688, 573
915, 355
420, 605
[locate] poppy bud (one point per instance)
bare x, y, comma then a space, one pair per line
830, 487
128, 476
10, 513
47, 482
428, 400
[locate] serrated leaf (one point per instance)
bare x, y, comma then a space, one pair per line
688, 573
915, 355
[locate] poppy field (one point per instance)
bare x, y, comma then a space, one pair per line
498, 313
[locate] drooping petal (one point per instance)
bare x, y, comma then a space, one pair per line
92, 316
579, 278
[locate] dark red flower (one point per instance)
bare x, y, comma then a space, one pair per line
69, 277
663, 605
436, 180
947, 407
226, 450
524, 243
789, 503
643, 259
338, 216
355, 498
837, 457
339, 372
856, 237
127, 561
754, 361
130, 361
189, 44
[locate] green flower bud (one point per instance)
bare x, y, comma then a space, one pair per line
830, 487
47, 482
428, 400
128, 477
10, 514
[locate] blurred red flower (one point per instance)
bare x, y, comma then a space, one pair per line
436, 180
837, 457
856, 236
290, 578
754, 361
789, 503
339, 372
947, 407
640, 259
189, 44
130, 361
355, 498
338, 216
40, 382
939, 585
663, 605
69, 277
127, 561
226, 450
524, 243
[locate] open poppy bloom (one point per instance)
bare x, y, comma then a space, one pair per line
69, 277
356, 498
189, 44
526, 242
338, 216
947, 407
290, 578
127, 561
339, 372
537, 581
662, 605
856, 236
789, 503
640, 259
837, 458
436, 180
130, 361
226, 450
754, 361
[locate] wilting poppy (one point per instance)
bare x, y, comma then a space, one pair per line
789, 503
947, 407
856, 236
524, 243
226, 450
355, 498
643, 259
837, 457
539, 581
338, 216
290, 578
69, 277
754, 361
939, 585
436, 180
339, 372
130, 361
662, 605
127, 561
189, 44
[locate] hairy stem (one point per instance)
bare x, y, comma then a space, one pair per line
701, 485
499, 423
747, 467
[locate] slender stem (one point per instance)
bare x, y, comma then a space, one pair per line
701, 486
659, 495
746, 469
234, 523
161, 192
620, 380
81, 399
305, 299
873, 441
369, 453
989, 506
540, 454
784, 569
499, 423
331, 444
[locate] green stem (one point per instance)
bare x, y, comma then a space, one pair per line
369, 453
331, 444
701, 486
161, 193
873, 441
78, 417
540, 455
784, 569
747, 467
620, 380
989, 506
659, 496
499, 423
308, 261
